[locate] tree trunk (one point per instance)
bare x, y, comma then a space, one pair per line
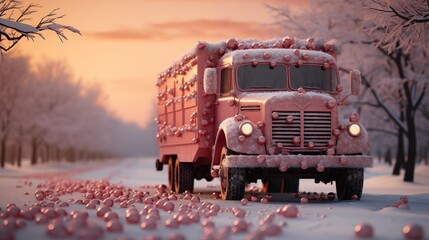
12, 156
3, 153
400, 154
58, 156
412, 147
19, 155
388, 157
47, 152
34, 152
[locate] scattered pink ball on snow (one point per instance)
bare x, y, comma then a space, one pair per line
207, 224
304, 200
168, 206
331, 196
364, 230
171, 223
244, 201
413, 231
175, 236
270, 229
57, 229
149, 225
264, 200
110, 216
114, 225
289, 211
239, 225
195, 199
90, 206
132, 217
108, 202
102, 210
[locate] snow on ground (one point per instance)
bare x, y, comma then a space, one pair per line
317, 219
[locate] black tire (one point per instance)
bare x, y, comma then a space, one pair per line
290, 184
158, 165
272, 185
183, 176
232, 180
171, 166
349, 182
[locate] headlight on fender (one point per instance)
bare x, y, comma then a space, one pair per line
354, 129
246, 129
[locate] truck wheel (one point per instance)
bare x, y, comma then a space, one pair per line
171, 165
349, 182
232, 180
158, 165
290, 184
272, 185
183, 177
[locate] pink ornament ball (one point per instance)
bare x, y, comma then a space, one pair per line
331, 196
290, 211
149, 225
364, 230
132, 217
244, 201
413, 231
304, 200
108, 202
172, 223
57, 229
114, 225
102, 210
270, 229
264, 200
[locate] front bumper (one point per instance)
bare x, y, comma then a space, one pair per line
283, 162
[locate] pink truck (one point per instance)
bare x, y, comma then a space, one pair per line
244, 110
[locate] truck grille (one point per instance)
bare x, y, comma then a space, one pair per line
316, 128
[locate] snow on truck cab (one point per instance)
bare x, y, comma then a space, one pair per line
247, 110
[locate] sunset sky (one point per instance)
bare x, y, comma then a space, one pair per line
125, 44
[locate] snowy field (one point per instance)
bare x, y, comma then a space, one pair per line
199, 216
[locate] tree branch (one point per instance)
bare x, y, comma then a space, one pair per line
383, 131
419, 100
385, 108
422, 20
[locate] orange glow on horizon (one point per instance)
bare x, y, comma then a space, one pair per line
125, 45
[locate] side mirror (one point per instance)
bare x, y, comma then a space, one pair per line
355, 82
210, 81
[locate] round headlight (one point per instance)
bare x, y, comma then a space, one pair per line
246, 129
354, 129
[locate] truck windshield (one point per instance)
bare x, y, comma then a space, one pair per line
313, 78
261, 76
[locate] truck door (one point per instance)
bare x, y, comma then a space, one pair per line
227, 102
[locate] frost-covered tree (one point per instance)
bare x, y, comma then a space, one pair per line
386, 74
15, 23
56, 117
13, 72
406, 23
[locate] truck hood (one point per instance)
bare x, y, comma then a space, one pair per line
300, 100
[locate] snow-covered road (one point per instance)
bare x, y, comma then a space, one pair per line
317, 219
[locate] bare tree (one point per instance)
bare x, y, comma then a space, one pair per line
14, 18
346, 22
406, 23
13, 71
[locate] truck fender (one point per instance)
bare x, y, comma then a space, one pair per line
348, 144
229, 135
